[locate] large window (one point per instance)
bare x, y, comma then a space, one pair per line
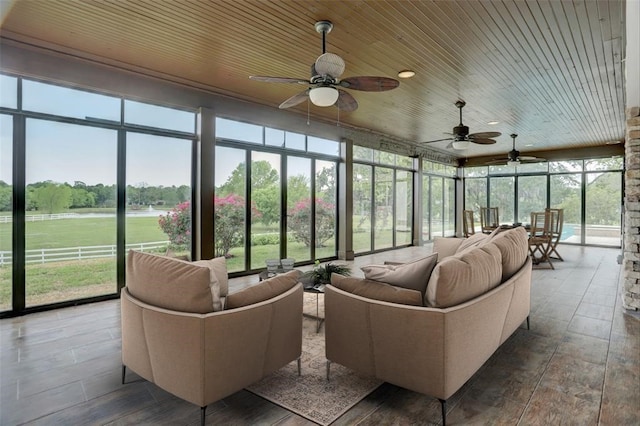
382, 200
70, 234
532, 196
74, 153
281, 166
6, 210
438, 200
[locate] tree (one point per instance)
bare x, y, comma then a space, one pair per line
52, 197
229, 219
299, 222
6, 197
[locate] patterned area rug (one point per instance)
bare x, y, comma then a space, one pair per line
311, 395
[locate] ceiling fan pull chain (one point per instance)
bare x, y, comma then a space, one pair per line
308, 111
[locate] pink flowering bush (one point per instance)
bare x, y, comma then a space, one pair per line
177, 225
299, 222
229, 218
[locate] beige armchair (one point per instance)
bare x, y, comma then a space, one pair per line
198, 356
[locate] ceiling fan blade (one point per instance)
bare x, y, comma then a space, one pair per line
485, 135
497, 162
278, 79
369, 84
529, 159
439, 140
295, 99
329, 64
482, 141
346, 102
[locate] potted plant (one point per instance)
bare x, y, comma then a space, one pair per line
321, 274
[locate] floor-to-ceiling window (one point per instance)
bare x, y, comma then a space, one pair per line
438, 200
588, 191
382, 200
278, 187
76, 151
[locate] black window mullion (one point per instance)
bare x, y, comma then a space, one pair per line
19, 211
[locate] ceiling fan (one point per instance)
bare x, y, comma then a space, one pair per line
462, 139
514, 158
325, 85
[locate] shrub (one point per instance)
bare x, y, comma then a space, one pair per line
177, 225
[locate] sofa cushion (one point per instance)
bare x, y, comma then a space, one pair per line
413, 275
377, 290
218, 267
264, 290
514, 247
169, 283
464, 276
446, 246
474, 240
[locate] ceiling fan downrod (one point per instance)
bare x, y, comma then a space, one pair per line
324, 27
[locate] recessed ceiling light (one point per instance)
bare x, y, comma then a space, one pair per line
493, 123
406, 74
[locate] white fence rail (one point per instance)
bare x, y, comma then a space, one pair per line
40, 217
78, 253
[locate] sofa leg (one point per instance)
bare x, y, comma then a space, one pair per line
528, 325
124, 372
443, 405
203, 411
328, 369
300, 366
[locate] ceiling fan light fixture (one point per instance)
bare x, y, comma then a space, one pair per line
460, 145
323, 96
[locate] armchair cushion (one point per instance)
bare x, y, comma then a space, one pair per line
412, 275
377, 290
264, 290
169, 283
513, 247
464, 276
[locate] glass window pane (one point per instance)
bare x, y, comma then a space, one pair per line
71, 215
158, 194
449, 207
404, 206
502, 196
265, 196
475, 195
326, 203
362, 178
294, 141
230, 206
437, 207
566, 195
426, 210
603, 208
427, 166
160, 117
475, 171
236, 130
532, 167
299, 220
383, 199
274, 137
383, 157
58, 100
532, 197
502, 170
6, 210
362, 153
323, 146
403, 161
8, 91
565, 166
613, 163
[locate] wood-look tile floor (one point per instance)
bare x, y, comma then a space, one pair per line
578, 365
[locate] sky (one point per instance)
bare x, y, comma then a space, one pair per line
63, 152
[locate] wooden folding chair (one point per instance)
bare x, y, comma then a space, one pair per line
557, 219
468, 224
489, 219
540, 237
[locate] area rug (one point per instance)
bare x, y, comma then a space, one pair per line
311, 395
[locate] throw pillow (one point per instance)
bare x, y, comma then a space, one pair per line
514, 247
464, 276
218, 266
446, 246
169, 283
413, 275
377, 290
474, 240
264, 290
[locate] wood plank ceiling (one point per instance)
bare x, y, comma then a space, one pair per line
549, 70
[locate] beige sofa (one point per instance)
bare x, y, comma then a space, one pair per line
477, 295
173, 337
